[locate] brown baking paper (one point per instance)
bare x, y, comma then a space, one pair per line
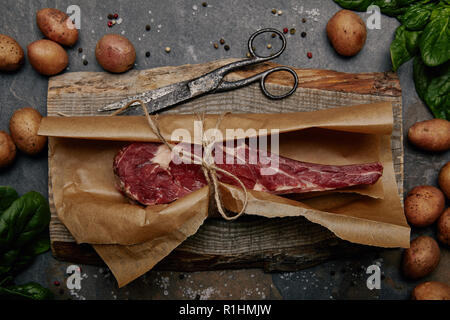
131, 239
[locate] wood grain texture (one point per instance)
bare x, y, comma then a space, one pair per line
273, 244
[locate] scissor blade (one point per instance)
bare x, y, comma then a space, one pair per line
161, 98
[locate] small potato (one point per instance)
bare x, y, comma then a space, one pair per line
444, 179
24, 125
347, 33
431, 290
424, 205
7, 149
11, 54
115, 53
431, 135
443, 227
421, 258
57, 26
47, 57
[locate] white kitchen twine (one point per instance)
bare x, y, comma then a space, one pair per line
207, 162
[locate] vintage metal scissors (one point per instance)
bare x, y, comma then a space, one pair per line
212, 82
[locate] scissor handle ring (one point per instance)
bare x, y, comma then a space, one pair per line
277, 69
257, 33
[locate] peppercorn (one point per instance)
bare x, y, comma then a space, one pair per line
248, 55
304, 20
222, 41
303, 34
285, 30
280, 12
274, 11
226, 47
147, 54
269, 46
116, 15
110, 24
292, 31
167, 49
181, 276
216, 46
56, 283
147, 27
80, 50
273, 35
309, 54
204, 4
85, 62
110, 16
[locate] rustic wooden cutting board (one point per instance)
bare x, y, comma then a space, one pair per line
273, 244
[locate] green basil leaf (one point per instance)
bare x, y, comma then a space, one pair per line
27, 217
7, 196
416, 17
29, 291
432, 86
435, 42
399, 51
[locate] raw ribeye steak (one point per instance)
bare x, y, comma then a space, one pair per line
147, 174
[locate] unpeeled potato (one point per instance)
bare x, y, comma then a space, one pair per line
11, 54
424, 205
421, 258
24, 125
443, 227
115, 53
431, 135
7, 149
444, 179
47, 57
57, 26
431, 290
347, 33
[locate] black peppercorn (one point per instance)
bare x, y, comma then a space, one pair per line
147, 54
226, 47
147, 27
85, 62
303, 34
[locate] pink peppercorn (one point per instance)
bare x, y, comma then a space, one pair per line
309, 54
110, 24
285, 30
116, 15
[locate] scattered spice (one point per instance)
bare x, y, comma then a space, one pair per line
249, 55
147, 27
309, 54
116, 15
80, 50
110, 16
113, 22
274, 11
204, 4
273, 35
280, 12
147, 54
303, 34
226, 47
167, 49
285, 30
110, 24
222, 41
304, 20
292, 31
216, 46
85, 62
56, 283
269, 46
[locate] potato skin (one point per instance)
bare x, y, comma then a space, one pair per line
431, 290
424, 205
431, 135
11, 54
347, 33
57, 26
7, 149
444, 179
443, 227
421, 258
115, 53
47, 57
24, 125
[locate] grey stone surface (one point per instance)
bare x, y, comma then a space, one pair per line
190, 30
